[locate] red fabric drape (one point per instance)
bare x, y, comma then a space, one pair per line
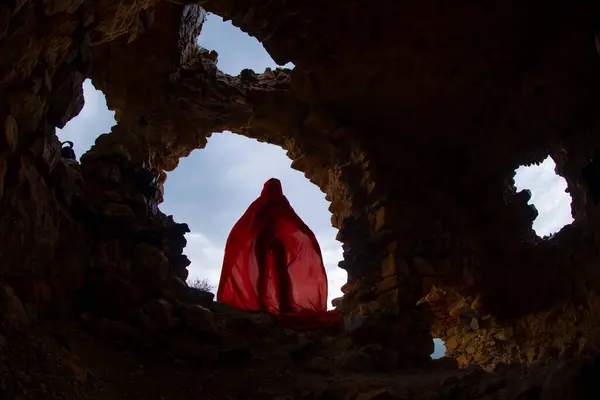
273, 263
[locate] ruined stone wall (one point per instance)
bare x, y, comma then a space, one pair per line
418, 172
543, 292
343, 173
444, 190
159, 124
46, 55
74, 233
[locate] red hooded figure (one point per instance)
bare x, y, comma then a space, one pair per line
273, 263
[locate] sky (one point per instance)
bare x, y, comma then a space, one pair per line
547, 194
213, 187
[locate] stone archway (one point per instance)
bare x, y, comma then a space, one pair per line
376, 292
190, 98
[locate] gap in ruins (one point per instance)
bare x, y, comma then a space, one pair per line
211, 203
439, 349
94, 119
237, 50
548, 195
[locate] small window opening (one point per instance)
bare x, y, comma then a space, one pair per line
237, 50
548, 195
94, 120
439, 349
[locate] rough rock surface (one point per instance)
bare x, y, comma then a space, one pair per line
410, 117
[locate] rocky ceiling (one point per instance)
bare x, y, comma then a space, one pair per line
432, 72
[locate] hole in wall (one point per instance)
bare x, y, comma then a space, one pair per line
94, 120
548, 195
439, 349
237, 50
212, 188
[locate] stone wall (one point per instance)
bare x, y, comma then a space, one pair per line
412, 133
46, 56
263, 106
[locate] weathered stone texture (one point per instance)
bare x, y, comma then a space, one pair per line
411, 118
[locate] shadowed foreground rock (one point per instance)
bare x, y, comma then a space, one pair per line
410, 117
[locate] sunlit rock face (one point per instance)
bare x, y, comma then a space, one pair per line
411, 118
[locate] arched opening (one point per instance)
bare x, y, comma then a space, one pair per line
548, 195
211, 203
236, 49
94, 119
147, 143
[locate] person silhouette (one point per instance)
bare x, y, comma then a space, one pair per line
273, 263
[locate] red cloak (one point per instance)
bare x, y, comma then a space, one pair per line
273, 263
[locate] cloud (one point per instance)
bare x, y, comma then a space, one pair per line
547, 194
94, 119
213, 187
206, 259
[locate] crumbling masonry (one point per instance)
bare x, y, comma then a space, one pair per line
410, 116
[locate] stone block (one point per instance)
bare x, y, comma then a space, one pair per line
319, 364
355, 362
504, 335
474, 324
149, 265
392, 247
337, 302
459, 308
426, 286
119, 211
372, 307
388, 283
422, 266
463, 361
388, 267
188, 347
480, 357
5, 15
11, 307
201, 297
380, 394
530, 354
349, 287
158, 315
402, 268
453, 331
365, 329
116, 330
50, 151
200, 319
452, 343
388, 302
380, 219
